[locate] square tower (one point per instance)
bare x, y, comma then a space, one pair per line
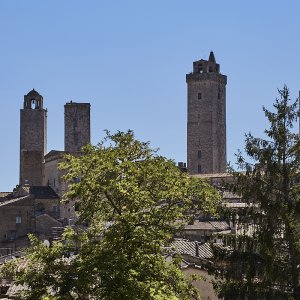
33, 139
77, 126
206, 118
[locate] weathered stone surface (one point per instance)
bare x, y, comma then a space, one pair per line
77, 126
206, 126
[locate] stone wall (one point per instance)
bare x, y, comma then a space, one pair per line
77, 126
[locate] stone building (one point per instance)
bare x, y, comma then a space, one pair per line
206, 118
35, 204
27, 209
33, 139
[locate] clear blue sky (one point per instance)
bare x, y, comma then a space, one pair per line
129, 60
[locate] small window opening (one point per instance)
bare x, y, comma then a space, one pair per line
200, 68
199, 96
18, 219
199, 154
219, 95
199, 168
210, 69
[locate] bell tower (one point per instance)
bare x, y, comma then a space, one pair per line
33, 139
206, 118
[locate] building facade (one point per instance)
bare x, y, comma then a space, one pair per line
206, 118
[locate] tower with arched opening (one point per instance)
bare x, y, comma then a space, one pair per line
206, 118
33, 139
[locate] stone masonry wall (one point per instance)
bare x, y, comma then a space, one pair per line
77, 126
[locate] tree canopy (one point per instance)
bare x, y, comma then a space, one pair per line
131, 202
263, 261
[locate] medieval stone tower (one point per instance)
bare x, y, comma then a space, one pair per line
77, 126
206, 119
33, 139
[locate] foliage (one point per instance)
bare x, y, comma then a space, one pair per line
264, 257
132, 200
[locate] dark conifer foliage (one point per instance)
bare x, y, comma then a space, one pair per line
263, 260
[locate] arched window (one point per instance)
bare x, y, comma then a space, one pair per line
200, 68
34, 104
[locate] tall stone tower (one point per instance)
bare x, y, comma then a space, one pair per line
206, 119
77, 126
33, 139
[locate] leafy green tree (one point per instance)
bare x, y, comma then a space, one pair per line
132, 201
264, 259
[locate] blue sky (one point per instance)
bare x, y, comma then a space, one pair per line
129, 60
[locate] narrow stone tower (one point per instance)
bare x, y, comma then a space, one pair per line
33, 139
206, 119
77, 126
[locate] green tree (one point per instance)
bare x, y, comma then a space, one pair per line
264, 260
133, 202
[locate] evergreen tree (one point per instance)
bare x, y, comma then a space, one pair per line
263, 258
131, 198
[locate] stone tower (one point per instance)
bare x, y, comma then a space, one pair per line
33, 139
206, 119
77, 126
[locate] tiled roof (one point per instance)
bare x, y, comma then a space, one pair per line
230, 196
42, 192
220, 225
213, 175
190, 248
4, 194
236, 205
208, 225
14, 200
54, 154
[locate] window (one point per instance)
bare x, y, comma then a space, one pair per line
200, 68
199, 154
199, 96
18, 219
34, 104
12, 235
199, 168
219, 95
